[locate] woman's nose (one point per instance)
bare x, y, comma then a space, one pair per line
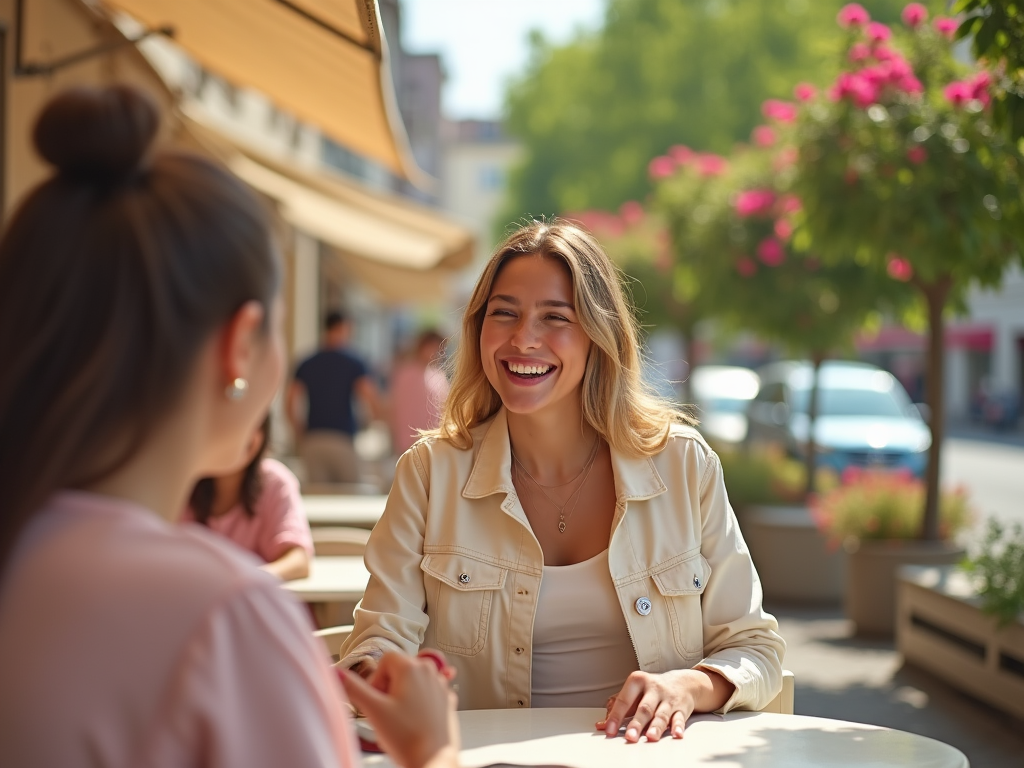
523, 335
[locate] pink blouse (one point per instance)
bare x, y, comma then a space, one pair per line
279, 523
128, 641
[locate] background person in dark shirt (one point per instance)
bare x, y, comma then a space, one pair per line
330, 381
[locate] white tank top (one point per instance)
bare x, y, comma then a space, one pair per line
582, 653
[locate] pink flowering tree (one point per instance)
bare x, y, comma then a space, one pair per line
662, 286
996, 31
737, 232
901, 171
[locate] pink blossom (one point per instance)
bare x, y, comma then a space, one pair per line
979, 86
898, 68
752, 202
917, 154
878, 33
910, 84
946, 26
852, 15
764, 136
790, 204
782, 111
861, 87
661, 167
771, 252
632, 212
783, 229
899, 268
959, 92
712, 165
746, 267
682, 155
884, 53
805, 91
858, 52
914, 15
785, 158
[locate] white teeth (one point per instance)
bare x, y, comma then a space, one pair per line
528, 369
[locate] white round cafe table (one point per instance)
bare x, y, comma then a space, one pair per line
566, 737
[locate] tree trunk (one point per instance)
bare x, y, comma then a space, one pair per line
811, 460
936, 295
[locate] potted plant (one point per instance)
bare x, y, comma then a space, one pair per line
966, 624
876, 516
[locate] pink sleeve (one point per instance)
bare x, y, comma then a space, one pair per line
282, 518
255, 688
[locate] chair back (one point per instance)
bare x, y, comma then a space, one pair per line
339, 540
333, 637
783, 703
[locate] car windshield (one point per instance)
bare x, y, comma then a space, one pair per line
854, 402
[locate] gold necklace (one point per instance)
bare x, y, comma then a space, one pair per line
562, 517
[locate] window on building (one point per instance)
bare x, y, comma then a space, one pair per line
491, 177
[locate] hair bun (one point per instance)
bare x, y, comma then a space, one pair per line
97, 134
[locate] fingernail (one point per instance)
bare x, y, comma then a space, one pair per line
631, 733
678, 732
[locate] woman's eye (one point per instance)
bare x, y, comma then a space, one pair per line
501, 313
558, 318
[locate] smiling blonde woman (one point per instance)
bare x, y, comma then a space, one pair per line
565, 536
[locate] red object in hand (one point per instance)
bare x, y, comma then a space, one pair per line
435, 657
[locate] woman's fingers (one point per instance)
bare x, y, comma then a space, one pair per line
678, 724
625, 701
645, 713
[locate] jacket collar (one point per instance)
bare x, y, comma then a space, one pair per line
635, 478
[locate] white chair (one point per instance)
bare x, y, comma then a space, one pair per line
339, 540
783, 703
333, 637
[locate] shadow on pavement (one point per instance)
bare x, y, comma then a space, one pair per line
865, 680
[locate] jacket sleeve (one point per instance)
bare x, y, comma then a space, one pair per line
391, 615
741, 641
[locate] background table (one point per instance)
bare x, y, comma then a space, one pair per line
334, 585
355, 511
566, 737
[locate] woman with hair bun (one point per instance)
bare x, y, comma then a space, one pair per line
141, 346
564, 536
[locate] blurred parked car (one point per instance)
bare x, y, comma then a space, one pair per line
865, 417
722, 394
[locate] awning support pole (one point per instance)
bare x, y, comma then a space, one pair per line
35, 69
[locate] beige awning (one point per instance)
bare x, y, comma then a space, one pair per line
324, 61
404, 250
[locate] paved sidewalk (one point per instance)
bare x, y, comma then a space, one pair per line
842, 677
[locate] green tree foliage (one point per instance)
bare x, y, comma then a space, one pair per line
902, 172
591, 114
996, 31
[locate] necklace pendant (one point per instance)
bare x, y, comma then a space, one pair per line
561, 526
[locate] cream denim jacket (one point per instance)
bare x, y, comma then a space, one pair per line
454, 565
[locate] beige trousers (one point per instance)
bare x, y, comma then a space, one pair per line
329, 457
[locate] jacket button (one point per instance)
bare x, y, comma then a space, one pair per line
696, 582
643, 606
519, 650
464, 578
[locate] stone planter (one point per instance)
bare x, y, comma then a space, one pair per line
791, 555
940, 627
871, 579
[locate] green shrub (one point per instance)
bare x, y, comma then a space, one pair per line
767, 476
874, 504
999, 567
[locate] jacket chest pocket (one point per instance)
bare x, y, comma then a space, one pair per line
682, 585
459, 599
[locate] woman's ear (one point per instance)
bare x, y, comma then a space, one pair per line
241, 339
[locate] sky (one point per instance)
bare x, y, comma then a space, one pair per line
483, 42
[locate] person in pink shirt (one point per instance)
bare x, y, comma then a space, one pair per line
140, 334
258, 507
418, 391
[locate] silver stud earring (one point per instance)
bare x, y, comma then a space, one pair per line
236, 389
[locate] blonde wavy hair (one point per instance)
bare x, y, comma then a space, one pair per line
616, 401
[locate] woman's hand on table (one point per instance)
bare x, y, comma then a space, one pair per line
411, 708
657, 704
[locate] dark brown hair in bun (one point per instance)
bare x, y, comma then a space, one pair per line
97, 134
111, 282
